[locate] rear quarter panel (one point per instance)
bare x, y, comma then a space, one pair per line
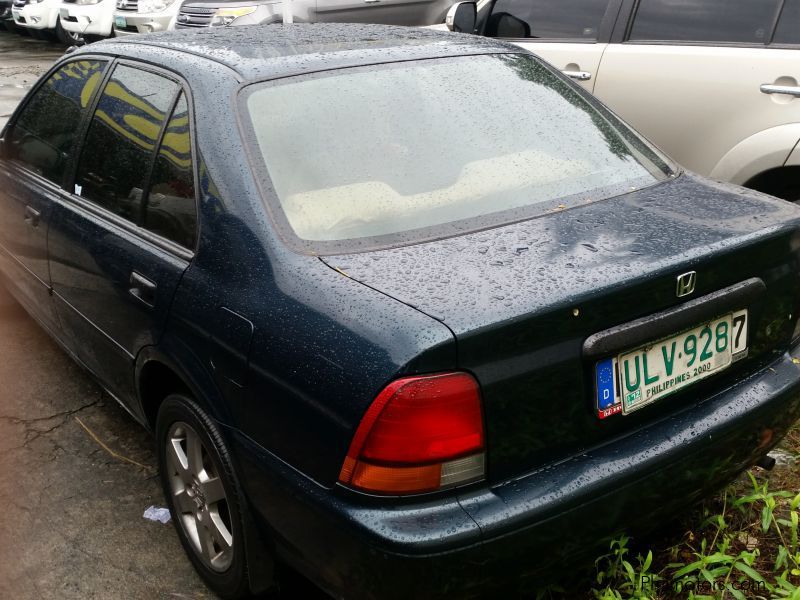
287, 350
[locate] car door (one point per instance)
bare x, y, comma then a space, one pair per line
569, 34
121, 242
37, 147
787, 35
691, 75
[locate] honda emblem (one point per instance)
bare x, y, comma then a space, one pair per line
686, 283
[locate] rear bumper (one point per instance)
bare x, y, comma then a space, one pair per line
518, 531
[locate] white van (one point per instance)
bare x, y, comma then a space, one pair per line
713, 82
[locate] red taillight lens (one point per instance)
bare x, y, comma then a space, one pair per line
420, 434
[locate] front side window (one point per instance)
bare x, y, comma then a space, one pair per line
121, 141
725, 21
392, 154
558, 19
43, 137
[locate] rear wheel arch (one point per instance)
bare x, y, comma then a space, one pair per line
159, 378
159, 374
156, 381
761, 152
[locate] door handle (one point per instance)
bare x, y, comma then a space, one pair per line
578, 75
32, 216
142, 289
770, 88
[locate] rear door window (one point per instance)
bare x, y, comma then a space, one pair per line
119, 148
559, 19
43, 137
170, 209
788, 30
724, 21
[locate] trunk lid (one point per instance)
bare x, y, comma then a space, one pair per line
522, 300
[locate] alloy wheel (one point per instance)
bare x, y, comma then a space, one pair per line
199, 497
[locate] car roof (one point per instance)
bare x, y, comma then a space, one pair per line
277, 50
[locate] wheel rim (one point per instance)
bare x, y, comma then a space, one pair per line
199, 497
69, 36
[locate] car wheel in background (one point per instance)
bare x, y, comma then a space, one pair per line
783, 182
790, 192
203, 495
68, 38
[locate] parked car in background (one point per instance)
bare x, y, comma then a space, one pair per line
713, 82
88, 19
40, 19
36, 16
214, 13
145, 16
210, 13
407, 310
5, 14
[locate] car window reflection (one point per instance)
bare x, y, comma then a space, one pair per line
43, 137
121, 140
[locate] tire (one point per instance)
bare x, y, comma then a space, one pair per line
67, 38
781, 182
203, 495
791, 193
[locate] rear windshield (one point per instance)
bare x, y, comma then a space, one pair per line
389, 155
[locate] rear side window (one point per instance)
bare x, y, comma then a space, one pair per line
170, 209
788, 30
122, 138
565, 19
726, 21
43, 137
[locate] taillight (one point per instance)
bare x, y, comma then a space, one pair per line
419, 435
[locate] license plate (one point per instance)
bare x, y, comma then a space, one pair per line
63, 13
120, 22
642, 376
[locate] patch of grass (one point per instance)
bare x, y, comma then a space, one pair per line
741, 544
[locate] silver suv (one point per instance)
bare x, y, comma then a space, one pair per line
209, 13
715, 83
